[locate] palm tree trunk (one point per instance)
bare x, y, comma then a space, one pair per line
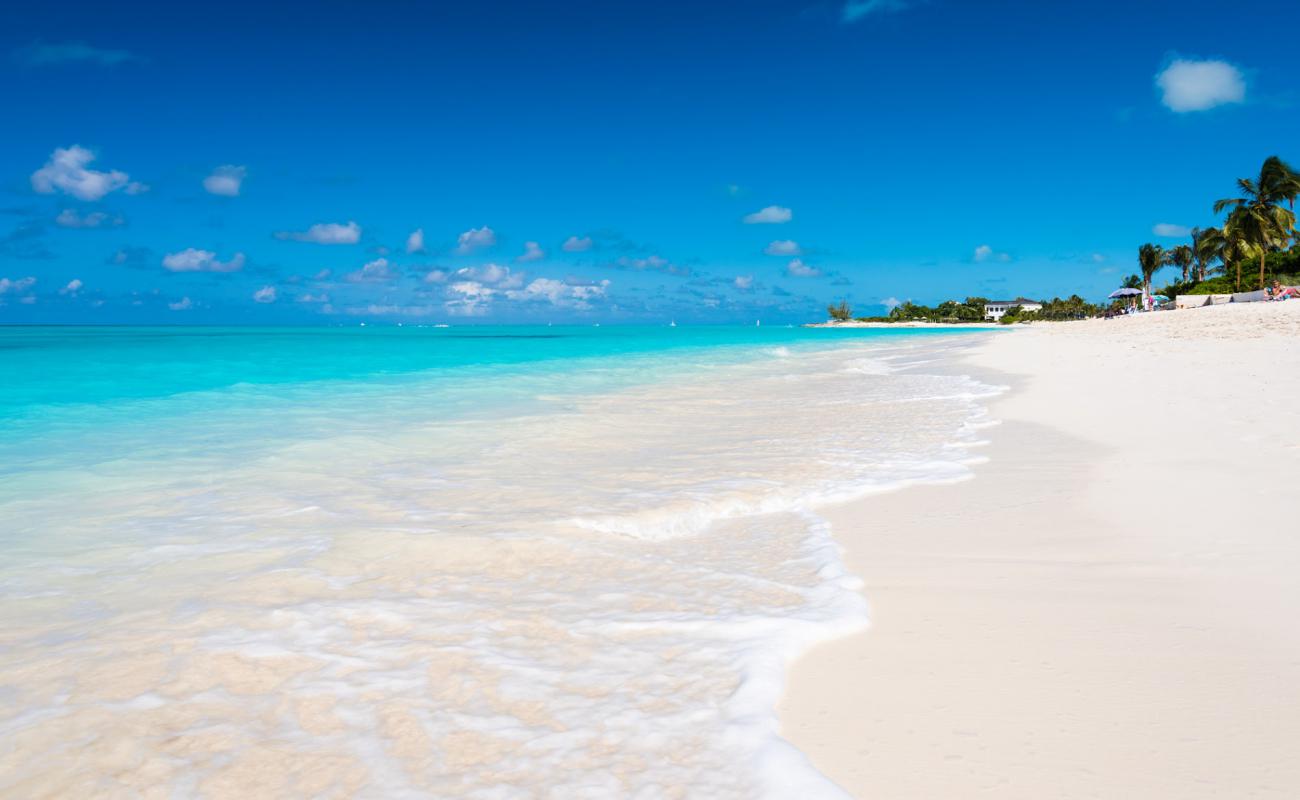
1262, 254
1237, 285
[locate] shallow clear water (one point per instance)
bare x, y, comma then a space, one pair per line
483, 562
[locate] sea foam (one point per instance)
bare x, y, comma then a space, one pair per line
574, 587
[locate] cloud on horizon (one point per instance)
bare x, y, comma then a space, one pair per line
324, 233
1171, 230
69, 218
192, 260
1199, 85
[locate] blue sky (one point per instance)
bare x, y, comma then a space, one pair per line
269, 162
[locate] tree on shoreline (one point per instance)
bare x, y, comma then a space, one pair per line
1257, 218
1151, 257
1181, 256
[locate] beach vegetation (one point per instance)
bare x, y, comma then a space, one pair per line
1258, 217
840, 312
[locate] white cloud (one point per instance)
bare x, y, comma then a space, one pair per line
266, 294
415, 242
192, 260
532, 252
492, 274
744, 282
652, 263
1097, 258
436, 276
985, 253
468, 298
182, 304
475, 239
376, 271
1170, 230
73, 287
559, 293
772, 215
796, 268
783, 247
574, 244
16, 285
323, 274
66, 172
313, 298
1190, 85
68, 218
325, 233
225, 180
855, 10
891, 303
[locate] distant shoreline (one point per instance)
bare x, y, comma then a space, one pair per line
912, 324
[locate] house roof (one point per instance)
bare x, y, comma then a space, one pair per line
1019, 301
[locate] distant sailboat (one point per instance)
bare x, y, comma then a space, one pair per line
758, 322
673, 324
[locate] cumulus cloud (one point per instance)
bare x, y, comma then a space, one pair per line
468, 298
651, 264
744, 282
1170, 230
415, 242
16, 285
266, 294
532, 252
1191, 85
313, 298
68, 218
475, 239
891, 303
436, 276
491, 274
798, 269
575, 244
772, 215
182, 304
855, 10
67, 172
559, 293
41, 54
192, 260
325, 233
225, 180
377, 271
783, 247
986, 253
72, 288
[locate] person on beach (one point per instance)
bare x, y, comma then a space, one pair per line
1279, 292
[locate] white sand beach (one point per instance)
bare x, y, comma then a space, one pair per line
1111, 608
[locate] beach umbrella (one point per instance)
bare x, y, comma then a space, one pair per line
1126, 292
1162, 298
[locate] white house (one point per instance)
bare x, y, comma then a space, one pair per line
994, 309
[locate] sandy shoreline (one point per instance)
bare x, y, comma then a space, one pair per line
1109, 608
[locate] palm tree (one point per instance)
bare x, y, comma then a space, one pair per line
1201, 255
1257, 217
1181, 256
1151, 257
1226, 245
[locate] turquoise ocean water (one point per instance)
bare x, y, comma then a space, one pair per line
467, 561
